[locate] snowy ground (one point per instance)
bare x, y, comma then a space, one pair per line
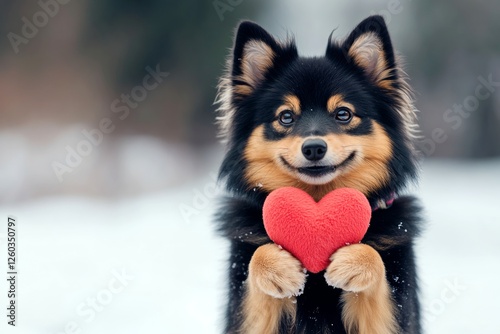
72, 249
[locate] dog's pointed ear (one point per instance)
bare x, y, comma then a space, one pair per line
369, 47
254, 53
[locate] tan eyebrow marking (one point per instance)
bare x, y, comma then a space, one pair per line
336, 101
291, 102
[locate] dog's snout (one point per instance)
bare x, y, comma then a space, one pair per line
314, 149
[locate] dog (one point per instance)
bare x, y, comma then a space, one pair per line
346, 119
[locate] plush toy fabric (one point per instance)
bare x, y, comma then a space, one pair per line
312, 231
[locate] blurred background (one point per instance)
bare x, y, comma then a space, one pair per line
108, 149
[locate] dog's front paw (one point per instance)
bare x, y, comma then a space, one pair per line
355, 268
276, 272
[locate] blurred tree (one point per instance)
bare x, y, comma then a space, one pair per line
188, 38
8, 8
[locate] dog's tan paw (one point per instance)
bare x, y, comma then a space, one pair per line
355, 268
276, 272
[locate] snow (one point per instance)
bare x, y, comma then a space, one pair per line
71, 250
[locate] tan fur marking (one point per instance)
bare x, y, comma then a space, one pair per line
375, 150
385, 243
367, 52
369, 313
257, 59
275, 277
242, 90
384, 82
262, 313
279, 128
355, 268
336, 101
263, 156
290, 102
354, 123
276, 272
367, 304
367, 173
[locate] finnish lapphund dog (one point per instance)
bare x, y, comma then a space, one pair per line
345, 119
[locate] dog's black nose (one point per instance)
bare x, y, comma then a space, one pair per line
314, 149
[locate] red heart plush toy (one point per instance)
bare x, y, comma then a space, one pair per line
312, 231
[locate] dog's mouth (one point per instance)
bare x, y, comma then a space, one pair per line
316, 170
319, 170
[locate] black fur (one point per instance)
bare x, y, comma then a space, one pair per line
392, 231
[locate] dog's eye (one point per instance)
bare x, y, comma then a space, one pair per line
343, 115
286, 118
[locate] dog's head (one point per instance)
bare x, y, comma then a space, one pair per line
342, 120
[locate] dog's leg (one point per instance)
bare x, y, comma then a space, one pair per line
367, 304
275, 277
